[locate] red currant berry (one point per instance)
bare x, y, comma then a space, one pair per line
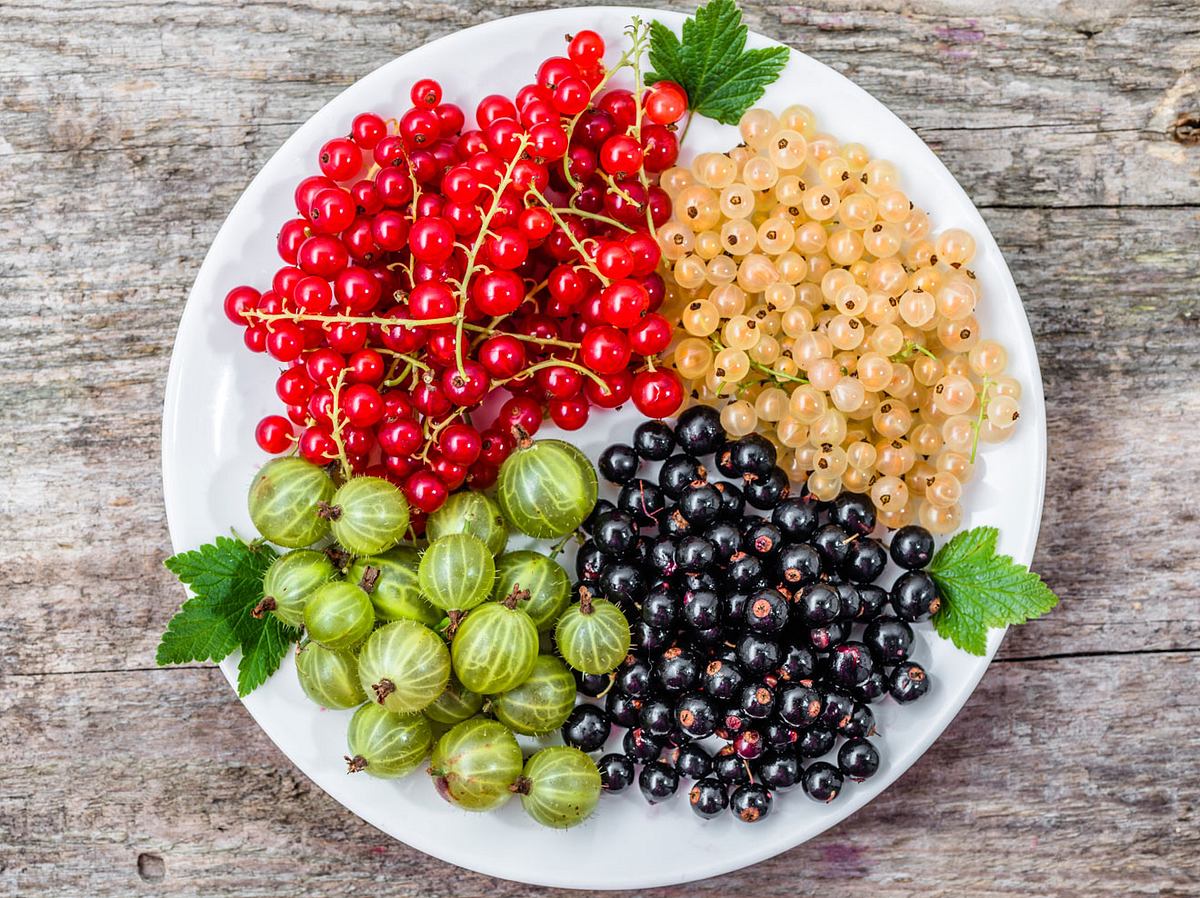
497, 293
461, 184
571, 96
665, 102
620, 155
285, 341
613, 392
547, 141
535, 224
345, 337
367, 130
425, 491
450, 117
502, 355
431, 240
623, 303
660, 205
566, 284
307, 190
569, 414
274, 434
559, 381
238, 302
298, 414
356, 290
541, 112
331, 211
622, 106
431, 300
358, 442
320, 407
359, 241
482, 476
651, 335
467, 387
604, 349
506, 249
554, 70
389, 153
390, 230
460, 443
426, 93
394, 187
586, 47
291, 235
340, 159
362, 405
312, 296
532, 93
496, 445
658, 393
365, 367
450, 473
660, 148
419, 128
645, 251
294, 386
493, 108
317, 445
581, 162
522, 412
322, 255
614, 260
255, 338
366, 198
429, 400
401, 437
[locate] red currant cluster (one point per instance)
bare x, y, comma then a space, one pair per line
431, 265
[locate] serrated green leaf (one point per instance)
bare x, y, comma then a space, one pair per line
226, 579
711, 63
981, 590
262, 652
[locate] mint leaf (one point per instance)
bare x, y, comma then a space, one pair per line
981, 589
711, 63
225, 577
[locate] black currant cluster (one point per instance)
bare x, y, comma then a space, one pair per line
756, 621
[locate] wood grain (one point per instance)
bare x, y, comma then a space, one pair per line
127, 130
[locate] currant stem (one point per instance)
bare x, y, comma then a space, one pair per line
579, 247
336, 432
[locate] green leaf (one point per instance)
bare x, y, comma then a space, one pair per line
262, 652
981, 589
225, 577
711, 63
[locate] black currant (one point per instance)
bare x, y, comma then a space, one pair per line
872, 599
875, 688
914, 596
745, 571
643, 499
858, 759
709, 637
752, 454
758, 655
779, 770
615, 533
756, 701
912, 547
722, 679
660, 606
854, 513
658, 782
698, 430
700, 503
697, 716
815, 741
701, 609
622, 709
750, 803
653, 440
694, 554
587, 728
735, 605
798, 564
797, 663
677, 670
618, 463
833, 543
818, 605
616, 772
733, 501
634, 678
850, 599
796, 517
592, 685
725, 539
822, 639
622, 583
588, 561
649, 637
661, 557
729, 768
673, 523
799, 705
724, 460
656, 718
822, 782
850, 664
908, 682
708, 798
677, 472
777, 734
693, 762
865, 560
601, 508
639, 747
748, 744
889, 638
765, 491
860, 724
688, 581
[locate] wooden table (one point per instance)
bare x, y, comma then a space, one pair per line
127, 130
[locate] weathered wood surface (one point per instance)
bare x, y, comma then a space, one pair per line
127, 130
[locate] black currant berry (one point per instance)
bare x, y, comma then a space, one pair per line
708, 798
796, 517
615, 533
819, 604
850, 598
634, 678
656, 718
618, 463
622, 709
661, 557
745, 572
758, 655
822, 639
677, 472
622, 583
798, 564
693, 762
889, 638
722, 680
872, 599
694, 554
854, 513
733, 501
908, 682
586, 728
653, 440
660, 607
851, 664
833, 543
750, 803
729, 768
799, 705
658, 782
724, 460
914, 596
765, 491
756, 701
865, 560
616, 772
700, 503
677, 670
696, 715
643, 499
797, 664
875, 688
822, 782
752, 454
592, 685
735, 605
639, 747
698, 430
748, 744
858, 759
837, 709
779, 770
860, 724
815, 741
601, 508
725, 539
777, 735
588, 561
912, 547
702, 609
649, 637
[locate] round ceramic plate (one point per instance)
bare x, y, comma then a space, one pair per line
216, 391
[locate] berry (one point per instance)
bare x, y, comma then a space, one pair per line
890, 639
618, 463
586, 728
912, 547
750, 803
914, 596
616, 773
708, 798
908, 682
822, 782
699, 430
858, 759
658, 782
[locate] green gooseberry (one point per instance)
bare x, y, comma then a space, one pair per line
495, 647
369, 515
339, 615
285, 499
473, 513
475, 764
404, 666
457, 572
542, 577
593, 635
546, 488
329, 678
387, 745
454, 704
542, 703
291, 579
394, 586
559, 787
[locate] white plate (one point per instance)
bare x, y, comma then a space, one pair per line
216, 391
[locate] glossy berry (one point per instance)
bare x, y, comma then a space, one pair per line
622, 709
818, 605
752, 454
890, 639
639, 747
658, 782
815, 742
796, 518
799, 705
616, 773
729, 768
643, 499
766, 611
758, 655
865, 560
616, 533
677, 473
779, 770
586, 728
677, 670
653, 440
912, 547
833, 543
708, 798
822, 782
756, 701
765, 491
798, 565
699, 431
908, 682
618, 463
694, 554
854, 513
750, 803
592, 685
701, 609
914, 596
858, 759
851, 664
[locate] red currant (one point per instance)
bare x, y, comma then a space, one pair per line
535, 224
331, 211
572, 95
569, 414
255, 338
450, 473
317, 445
622, 106
425, 490
450, 117
493, 108
356, 290
285, 341
426, 93
467, 387
520, 411
506, 249
322, 255
367, 130
482, 476
362, 405
586, 47
365, 367
502, 355
401, 437
394, 187
497, 293
431, 240
238, 302
460, 443
559, 381
274, 434
307, 190
665, 102
496, 446
660, 148
614, 260
294, 386
340, 159
605, 349
651, 335
346, 337
431, 300
623, 303
429, 400
658, 393
291, 235
390, 230
613, 392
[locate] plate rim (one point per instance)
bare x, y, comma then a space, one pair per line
483, 863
